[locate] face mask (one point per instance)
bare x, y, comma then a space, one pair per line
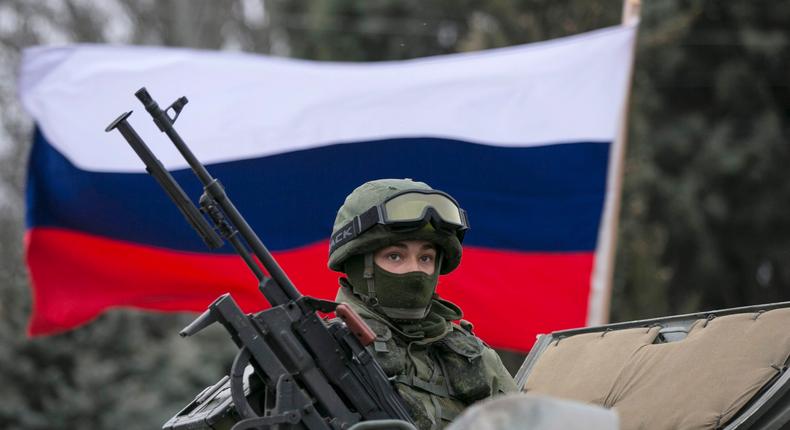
404, 296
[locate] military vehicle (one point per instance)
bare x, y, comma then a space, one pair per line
725, 369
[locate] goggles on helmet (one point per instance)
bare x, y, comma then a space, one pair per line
406, 210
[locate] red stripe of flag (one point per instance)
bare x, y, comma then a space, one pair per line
77, 276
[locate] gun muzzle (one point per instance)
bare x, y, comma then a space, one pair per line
204, 320
121, 118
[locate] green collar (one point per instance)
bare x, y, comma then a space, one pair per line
433, 327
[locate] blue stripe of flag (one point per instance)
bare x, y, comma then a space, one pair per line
545, 198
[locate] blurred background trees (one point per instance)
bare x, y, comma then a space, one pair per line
704, 221
706, 196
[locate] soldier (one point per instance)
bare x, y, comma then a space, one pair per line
393, 238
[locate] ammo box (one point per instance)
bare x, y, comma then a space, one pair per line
716, 370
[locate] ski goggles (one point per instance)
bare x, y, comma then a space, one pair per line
407, 210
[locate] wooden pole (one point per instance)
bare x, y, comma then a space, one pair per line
603, 272
631, 12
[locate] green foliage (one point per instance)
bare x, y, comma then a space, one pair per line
125, 370
348, 30
704, 221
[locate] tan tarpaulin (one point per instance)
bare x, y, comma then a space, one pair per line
700, 382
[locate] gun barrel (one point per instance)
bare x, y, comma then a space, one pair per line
166, 181
214, 189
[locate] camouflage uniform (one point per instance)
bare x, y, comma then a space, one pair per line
439, 367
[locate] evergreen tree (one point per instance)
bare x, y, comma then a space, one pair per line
704, 222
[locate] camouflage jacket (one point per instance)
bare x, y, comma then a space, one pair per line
437, 377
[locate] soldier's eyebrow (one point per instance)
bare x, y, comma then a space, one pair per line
401, 245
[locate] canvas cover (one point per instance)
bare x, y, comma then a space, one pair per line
703, 381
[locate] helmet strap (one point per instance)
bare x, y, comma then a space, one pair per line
439, 259
370, 297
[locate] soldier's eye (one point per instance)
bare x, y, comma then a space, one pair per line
426, 258
393, 257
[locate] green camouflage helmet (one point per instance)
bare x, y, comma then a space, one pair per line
374, 193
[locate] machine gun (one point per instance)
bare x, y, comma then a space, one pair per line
294, 369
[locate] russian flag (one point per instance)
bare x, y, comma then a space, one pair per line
521, 136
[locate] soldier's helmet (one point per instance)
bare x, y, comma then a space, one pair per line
386, 211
